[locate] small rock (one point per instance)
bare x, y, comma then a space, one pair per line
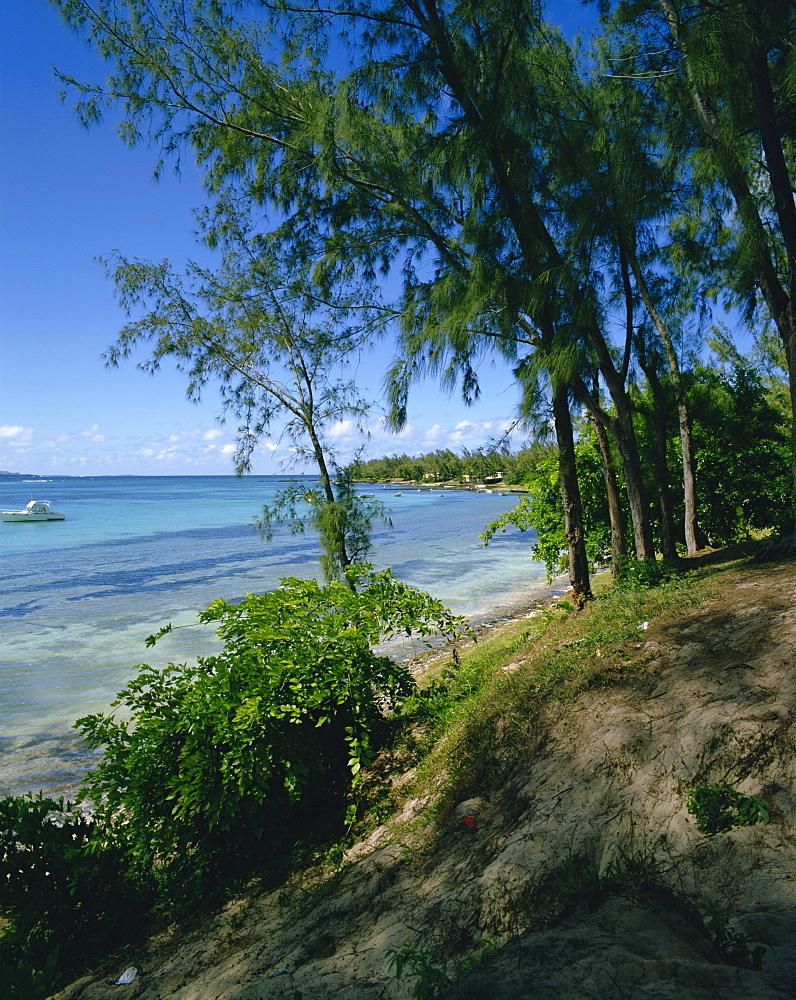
470, 808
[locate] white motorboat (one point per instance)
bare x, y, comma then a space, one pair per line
36, 510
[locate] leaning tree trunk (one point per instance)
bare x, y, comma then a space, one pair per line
625, 437
790, 351
570, 496
782, 189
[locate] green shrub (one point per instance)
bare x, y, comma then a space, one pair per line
648, 573
62, 900
230, 757
542, 512
228, 761
719, 808
432, 971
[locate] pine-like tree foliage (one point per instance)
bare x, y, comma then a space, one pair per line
725, 72
425, 153
512, 193
279, 363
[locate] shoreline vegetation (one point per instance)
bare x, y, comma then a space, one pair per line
426, 487
474, 720
497, 469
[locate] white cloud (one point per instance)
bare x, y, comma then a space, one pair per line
15, 432
343, 429
203, 446
434, 433
467, 426
415, 439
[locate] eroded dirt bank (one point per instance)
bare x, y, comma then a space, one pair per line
607, 780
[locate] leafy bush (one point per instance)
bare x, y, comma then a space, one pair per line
543, 513
433, 972
719, 808
226, 758
226, 761
62, 900
743, 454
648, 573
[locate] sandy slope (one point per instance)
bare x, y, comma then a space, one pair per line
715, 699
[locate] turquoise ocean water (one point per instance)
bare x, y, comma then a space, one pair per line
79, 597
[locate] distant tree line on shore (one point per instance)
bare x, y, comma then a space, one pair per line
446, 466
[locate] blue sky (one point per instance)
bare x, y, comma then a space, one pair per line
67, 196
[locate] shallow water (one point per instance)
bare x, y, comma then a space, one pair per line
79, 597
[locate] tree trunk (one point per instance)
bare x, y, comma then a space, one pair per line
621, 429
570, 496
338, 541
782, 189
683, 416
625, 437
615, 512
790, 351
659, 436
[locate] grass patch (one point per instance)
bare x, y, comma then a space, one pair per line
478, 714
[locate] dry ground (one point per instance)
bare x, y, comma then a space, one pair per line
715, 699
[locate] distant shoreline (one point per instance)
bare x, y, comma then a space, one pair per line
414, 485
